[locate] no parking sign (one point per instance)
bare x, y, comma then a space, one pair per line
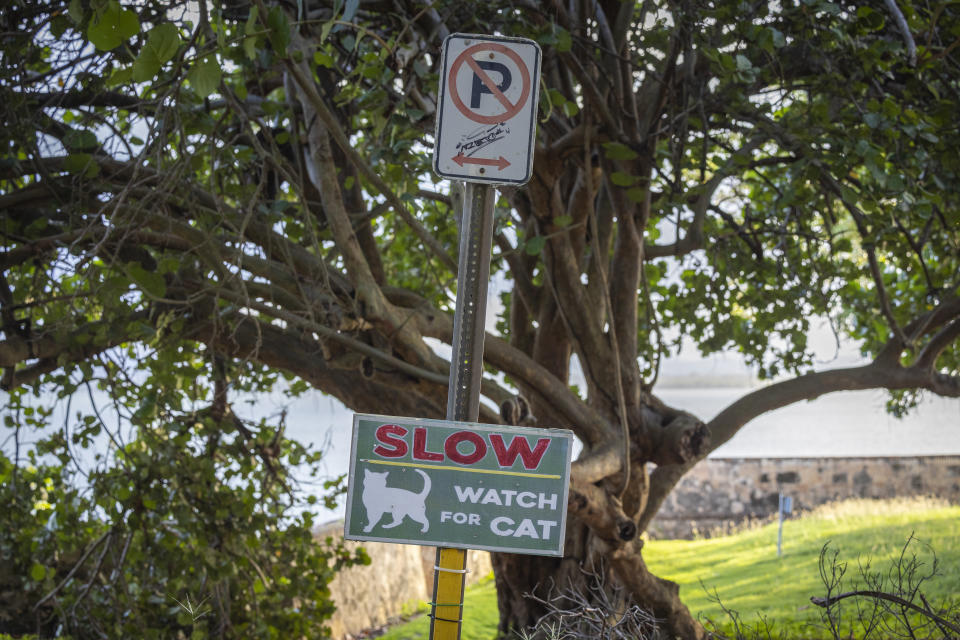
486, 120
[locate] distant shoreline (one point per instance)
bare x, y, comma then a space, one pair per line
712, 381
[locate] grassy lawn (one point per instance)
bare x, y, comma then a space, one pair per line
744, 571
479, 616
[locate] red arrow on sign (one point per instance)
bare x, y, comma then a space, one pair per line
501, 163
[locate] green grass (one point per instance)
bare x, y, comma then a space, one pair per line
744, 571
479, 616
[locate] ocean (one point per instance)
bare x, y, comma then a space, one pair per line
838, 424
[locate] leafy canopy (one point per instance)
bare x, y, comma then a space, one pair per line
204, 200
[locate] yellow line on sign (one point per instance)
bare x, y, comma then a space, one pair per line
436, 466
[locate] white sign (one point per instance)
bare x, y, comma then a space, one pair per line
487, 118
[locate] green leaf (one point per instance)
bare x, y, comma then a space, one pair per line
162, 44
81, 163
535, 245
779, 41
59, 25
151, 282
350, 10
80, 140
120, 76
204, 76
622, 179
323, 59
325, 31
250, 28
564, 41
563, 221
618, 151
76, 11
112, 27
37, 572
279, 30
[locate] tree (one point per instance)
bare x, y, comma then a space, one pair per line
245, 190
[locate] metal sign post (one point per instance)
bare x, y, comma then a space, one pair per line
486, 123
466, 371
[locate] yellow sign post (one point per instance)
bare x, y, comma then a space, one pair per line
449, 578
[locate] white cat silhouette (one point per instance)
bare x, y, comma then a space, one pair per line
379, 499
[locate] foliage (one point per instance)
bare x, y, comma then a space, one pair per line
203, 200
216, 549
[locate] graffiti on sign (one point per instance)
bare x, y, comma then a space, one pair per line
491, 81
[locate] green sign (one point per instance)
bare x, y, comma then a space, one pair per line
458, 484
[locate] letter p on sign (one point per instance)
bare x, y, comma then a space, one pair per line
487, 118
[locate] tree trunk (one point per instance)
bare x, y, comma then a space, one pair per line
607, 576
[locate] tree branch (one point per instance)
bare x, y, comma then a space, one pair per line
589, 424
938, 343
889, 597
311, 96
355, 345
524, 288
880, 374
904, 31
601, 512
49, 345
693, 239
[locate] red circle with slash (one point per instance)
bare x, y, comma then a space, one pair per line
511, 109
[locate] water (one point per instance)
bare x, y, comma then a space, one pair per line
834, 425
851, 423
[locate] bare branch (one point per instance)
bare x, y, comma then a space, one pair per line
355, 345
889, 597
683, 439
86, 554
83, 341
880, 374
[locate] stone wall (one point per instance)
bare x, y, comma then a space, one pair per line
398, 578
721, 493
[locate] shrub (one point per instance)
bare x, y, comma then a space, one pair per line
193, 529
